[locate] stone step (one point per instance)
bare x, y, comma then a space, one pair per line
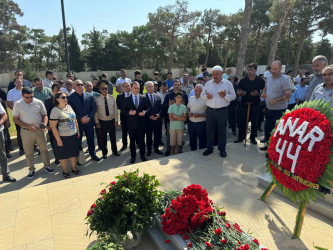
323, 206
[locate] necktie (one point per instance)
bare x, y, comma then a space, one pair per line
136, 103
152, 100
107, 113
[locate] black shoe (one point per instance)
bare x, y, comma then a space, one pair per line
264, 148
157, 151
104, 156
87, 151
132, 160
123, 148
234, 132
8, 178
49, 170
263, 140
21, 152
207, 152
31, 174
8, 155
38, 152
167, 153
253, 141
161, 143
11, 148
57, 162
148, 153
143, 158
223, 154
116, 153
237, 140
95, 158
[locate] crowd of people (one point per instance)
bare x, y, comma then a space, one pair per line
68, 109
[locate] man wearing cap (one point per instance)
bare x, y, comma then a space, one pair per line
121, 80
106, 118
217, 93
277, 91
123, 117
138, 79
302, 89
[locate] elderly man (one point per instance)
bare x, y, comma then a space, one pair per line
68, 87
106, 118
196, 110
186, 86
218, 93
154, 124
324, 91
277, 91
13, 96
121, 80
18, 73
84, 107
47, 81
90, 89
318, 64
30, 114
302, 89
40, 92
249, 89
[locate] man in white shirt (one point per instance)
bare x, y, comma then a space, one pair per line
196, 109
47, 81
227, 74
13, 96
121, 80
218, 93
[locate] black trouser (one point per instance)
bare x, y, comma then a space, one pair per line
124, 129
19, 139
108, 127
52, 142
232, 116
291, 106
153, 127
261, 113
98, 136
139, 135
8, 142
271, 117
216, 120
253, 117
197, 130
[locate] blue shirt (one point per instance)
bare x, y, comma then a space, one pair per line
301, 92
293, 97
170, 83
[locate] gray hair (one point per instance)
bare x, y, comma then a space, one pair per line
150, 82
85, 84
278, 63
320, 58
200, 86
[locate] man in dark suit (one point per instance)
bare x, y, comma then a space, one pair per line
135, 107
49, 105
154, 124
123, 117
84, 106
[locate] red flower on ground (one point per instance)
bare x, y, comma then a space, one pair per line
93, 206
167, 241
208, 244
256, 241
113, 183
90, 212
186, 237
223, 241
103, 192
189, 245
218, 231
227, 225
245, 247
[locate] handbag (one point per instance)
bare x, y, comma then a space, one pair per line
82, 157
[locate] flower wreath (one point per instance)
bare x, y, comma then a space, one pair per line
299, 151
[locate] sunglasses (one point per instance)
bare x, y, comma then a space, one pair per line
330, 74
81, 85
28, 97
104, 89
63, 97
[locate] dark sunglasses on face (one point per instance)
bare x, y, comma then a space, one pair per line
104, 89
330, 74
63, 97
79, 85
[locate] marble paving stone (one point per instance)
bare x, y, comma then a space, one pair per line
87, 199
47, 244
9, 195
32, 197
63, 198
6, 237
33, 224
8, 209
84, 185
22, 247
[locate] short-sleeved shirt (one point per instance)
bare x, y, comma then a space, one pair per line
47, 83
66, 120
197, 106
2, 111
301, 92
42, 95
314, 81
29, 113
293, 97
14, 95
322, 93
275, 87
178, 111
248, 86
121, 81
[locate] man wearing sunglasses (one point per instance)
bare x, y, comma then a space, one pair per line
84, 106
106, 118
30, 114
324, 91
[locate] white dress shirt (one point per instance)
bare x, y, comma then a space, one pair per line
213, 88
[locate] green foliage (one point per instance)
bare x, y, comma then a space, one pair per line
113, 79
166, 198
127, 205
145, 77
105, 243
29, 72
75, 58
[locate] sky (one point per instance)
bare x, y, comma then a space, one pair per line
110, 15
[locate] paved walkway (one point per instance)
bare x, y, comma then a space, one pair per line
49, 212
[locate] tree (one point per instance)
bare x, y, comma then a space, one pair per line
281, 10
11, 35
74, 50
34, 46
244, 37
324, 47
170, 22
